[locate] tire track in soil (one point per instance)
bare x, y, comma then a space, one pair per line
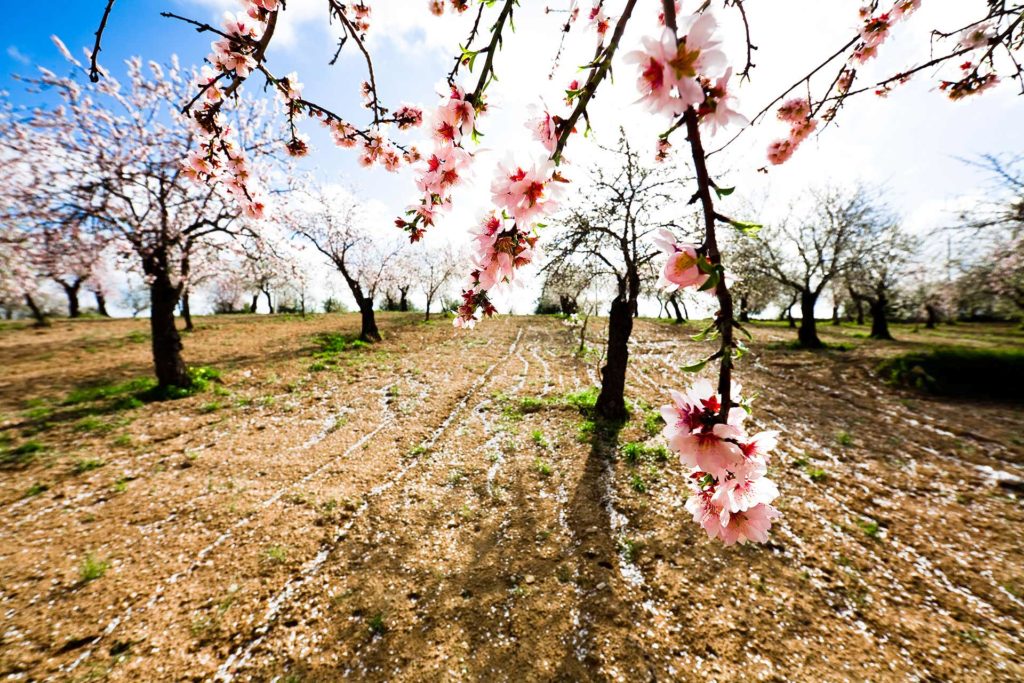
918, 562
239, 657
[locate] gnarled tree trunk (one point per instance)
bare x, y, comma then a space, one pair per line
611, 402
368, 331
255, 302
101, 303
879, 319
71, 290
807, 335
403, 299
673, 299
186, 311
933, 316
167, 360
37, 312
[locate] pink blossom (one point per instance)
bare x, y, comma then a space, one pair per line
749, 525
545, 130
794, 110
408, 116
736, 495
526, 192
975, 37
904, 8
681, 269
717, 112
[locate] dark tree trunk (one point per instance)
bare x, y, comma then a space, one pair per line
255, 301
789, 317
567, 304
403, 299
270, 304
426, 312
71, 291
170, 368
860, 311
675, 306
186, 311
744, 311
933, 317
808, 332
879, 321
835, 315
37, 313
611, 402
101, 304
369, 331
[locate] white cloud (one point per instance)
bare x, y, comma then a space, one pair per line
14, 53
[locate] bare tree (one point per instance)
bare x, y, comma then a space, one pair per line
611, 234
806, 253
437, 269
873, 277
332, 222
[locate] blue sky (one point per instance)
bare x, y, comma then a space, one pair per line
910, 143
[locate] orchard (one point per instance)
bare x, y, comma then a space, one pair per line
572, 428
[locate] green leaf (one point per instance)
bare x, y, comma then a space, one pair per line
724, 191
747, 228
703, 334
696, 367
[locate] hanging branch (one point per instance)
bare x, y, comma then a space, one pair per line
94, 67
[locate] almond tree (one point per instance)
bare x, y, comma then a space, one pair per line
113, 164
880, 270
436, 269
331, 220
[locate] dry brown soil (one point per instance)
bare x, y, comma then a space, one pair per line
433, 509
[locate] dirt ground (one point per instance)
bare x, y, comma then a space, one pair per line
437, 508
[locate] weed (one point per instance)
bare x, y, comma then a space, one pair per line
276, 554
87, 465
637, 483
816, 474
92, 568
36, 489
211, 407
123, 441
630, 549
844, 439
870, 527
537, 436
456, 477
542, 468
585, 431
635, 452
653, 422
376, 624
121, 485
21, 454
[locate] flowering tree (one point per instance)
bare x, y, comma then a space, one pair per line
113, 158
874, 277
331, 220
807, 252
684, 78
436, 269
613, 234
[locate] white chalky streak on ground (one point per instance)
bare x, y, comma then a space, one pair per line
239, 657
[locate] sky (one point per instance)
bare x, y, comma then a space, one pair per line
912, 143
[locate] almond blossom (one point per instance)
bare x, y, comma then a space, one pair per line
680, 269
526, 192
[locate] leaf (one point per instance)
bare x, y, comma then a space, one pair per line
696, 367
724, 191
703, 334
746, 227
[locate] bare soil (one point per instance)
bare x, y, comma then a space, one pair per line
435, 508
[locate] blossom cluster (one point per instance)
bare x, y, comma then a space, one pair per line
444, 167
731, 496
797, 113
691, 72
875, 28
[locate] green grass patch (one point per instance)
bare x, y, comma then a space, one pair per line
635, 452
947, 371
36, 488
542, 467
87, 465
329, 346
653, 422
21, 454
538, 438
92, 568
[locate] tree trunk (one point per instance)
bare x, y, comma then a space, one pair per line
789, 317
744, 312
933, 317
808, 332
71, 290
835, 315
675, 305
403, 299
255, 301
270, 304
426, 312
369, 331
101, 303
860, 311
611, 402
186, 311
37, 313
170, 368
879, 322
